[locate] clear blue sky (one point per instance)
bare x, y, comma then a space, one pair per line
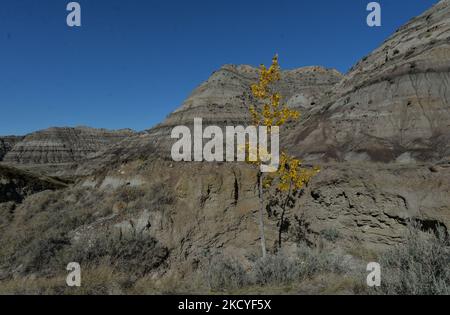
134, 61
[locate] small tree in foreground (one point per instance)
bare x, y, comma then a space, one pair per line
290, 176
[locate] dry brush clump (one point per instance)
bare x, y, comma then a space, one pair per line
135, 254
304, 263
331, 234
100, 280
228, 274
39, 237
138, 198
420, 266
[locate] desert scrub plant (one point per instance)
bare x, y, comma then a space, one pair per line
136, 253
129, 194
41, 252
314, 261
100, 280
278, 269
155, 197
331, 234
420, 266
225, 273
303, 263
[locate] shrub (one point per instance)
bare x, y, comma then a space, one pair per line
97, 281
305, 263
128, 194
418, 267
225, 273
331, 234
41, 252
275, 269
136, 254
313, 261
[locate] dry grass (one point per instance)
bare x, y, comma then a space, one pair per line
101, 280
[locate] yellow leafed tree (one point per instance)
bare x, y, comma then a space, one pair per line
269, 112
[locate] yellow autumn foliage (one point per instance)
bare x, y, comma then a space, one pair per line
271, 112
290, 175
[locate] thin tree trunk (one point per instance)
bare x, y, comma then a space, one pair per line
280, 230
261, 215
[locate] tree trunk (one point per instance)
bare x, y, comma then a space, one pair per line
280, 229
261, 215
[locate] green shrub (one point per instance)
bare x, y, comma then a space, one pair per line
331, 234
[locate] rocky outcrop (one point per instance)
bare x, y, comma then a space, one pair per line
6, 144
394, 105
370, 203
62, 145
198, 208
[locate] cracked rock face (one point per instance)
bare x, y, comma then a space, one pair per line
370, 203
394, 105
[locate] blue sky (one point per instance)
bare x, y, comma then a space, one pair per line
134, 61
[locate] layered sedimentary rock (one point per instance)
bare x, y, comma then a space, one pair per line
62, 145
394, 105
6, 144
225, 96
224, 99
